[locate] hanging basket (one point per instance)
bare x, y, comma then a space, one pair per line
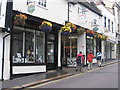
90, 34
19, 22
45, 28
65, 33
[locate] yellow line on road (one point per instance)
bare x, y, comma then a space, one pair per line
25, 85
68, 77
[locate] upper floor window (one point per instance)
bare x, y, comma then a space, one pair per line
82, 10
104, 21
109, 24
42, 3
70, 7
94, 21
112, 28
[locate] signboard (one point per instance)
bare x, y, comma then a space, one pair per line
95, 29
71, 62
31, 6
3, 4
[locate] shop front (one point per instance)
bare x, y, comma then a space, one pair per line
110, 50
32, 50
69, 50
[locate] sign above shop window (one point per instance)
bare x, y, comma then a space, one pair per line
31, 5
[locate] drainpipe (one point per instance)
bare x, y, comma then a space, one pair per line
68, 10
3, 55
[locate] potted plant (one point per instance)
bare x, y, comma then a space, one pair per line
65, 30
90, 32
46, 26
71, 25
81, 30
20, 19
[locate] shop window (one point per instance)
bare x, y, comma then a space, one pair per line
90, 44
42, 3
40, 47
28, 46
18, 54
70, 47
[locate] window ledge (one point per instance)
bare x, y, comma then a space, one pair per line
42, 7
28, 64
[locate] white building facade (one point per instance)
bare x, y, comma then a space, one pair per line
109, 29
27, 49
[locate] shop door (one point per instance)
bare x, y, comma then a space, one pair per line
50, 55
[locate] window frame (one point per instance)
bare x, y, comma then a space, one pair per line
112, 27
105, 21
35, 62
109, 24
43, 2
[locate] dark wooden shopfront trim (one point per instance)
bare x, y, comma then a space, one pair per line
33, 22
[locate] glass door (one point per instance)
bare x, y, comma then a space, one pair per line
50, 52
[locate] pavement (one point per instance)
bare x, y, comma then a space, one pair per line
26, 81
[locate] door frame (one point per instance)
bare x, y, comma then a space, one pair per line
52, 66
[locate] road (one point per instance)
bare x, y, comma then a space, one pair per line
103, 77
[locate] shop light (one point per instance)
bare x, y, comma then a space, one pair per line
73, 37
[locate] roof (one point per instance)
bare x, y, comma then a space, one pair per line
92, 7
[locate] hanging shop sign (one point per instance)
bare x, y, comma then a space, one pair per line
95, 29
71, 62
31, 5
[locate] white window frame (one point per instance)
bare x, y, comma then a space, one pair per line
42, 6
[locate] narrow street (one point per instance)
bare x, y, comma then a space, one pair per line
104, 77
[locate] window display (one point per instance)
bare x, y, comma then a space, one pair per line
40, 47
90, 45
70, 46
17, 54
28, 46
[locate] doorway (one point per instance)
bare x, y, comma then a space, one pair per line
51, 58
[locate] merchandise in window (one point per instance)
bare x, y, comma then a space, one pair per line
70, 45
17, 54
40, 47
90, 45
28, 46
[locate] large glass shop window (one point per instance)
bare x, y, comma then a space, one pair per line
90, 44
70, 46
28, 46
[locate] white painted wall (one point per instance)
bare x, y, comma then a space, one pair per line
28, 69
6, 75
110, 16
81, 44
1, 49
3, 13
59, 49
84, 21
56, 10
